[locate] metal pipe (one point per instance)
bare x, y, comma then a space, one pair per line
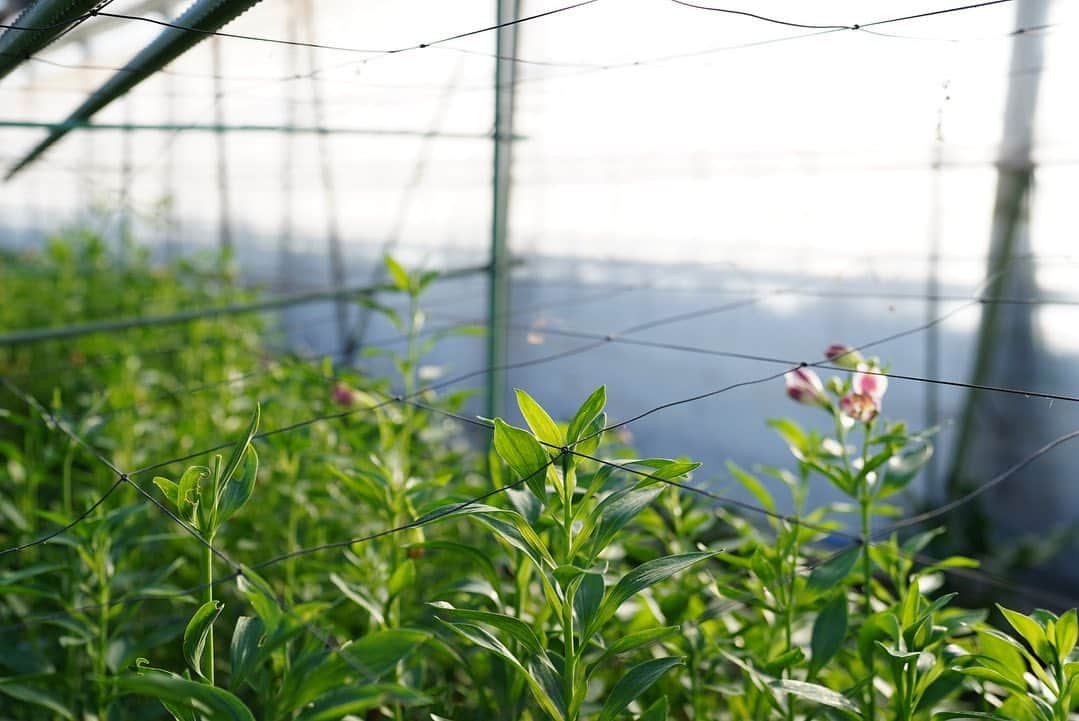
36, 335
499, 269
201, 19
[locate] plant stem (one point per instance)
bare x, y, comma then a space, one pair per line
102, 630
208, 597
866, 503
568, 486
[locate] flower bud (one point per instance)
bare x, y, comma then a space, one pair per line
804, 386
342, 395
844, 356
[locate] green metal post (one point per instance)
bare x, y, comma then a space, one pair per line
499, 274
224, 211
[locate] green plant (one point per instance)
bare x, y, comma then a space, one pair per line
561, 526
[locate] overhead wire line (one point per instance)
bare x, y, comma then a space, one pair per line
792, 519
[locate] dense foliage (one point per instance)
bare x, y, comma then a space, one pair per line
557, 576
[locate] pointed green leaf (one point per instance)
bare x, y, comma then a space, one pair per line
198, 628
539, 421
640, 578
587, 413
353, 701
239, 488
634, 683
212, 703
261, 598
616, 510
831, 573
548, 698
655, 712
244, 649
632, 642
813, 692
1031, 631
524, 455
398, 274
377, 653
513, 627
753, 485
15, 689
1067, 633
589, 597
170, 489
829, 630
238, 449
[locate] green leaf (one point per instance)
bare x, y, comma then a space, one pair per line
632, 642
647, 574
352, 701
793, 434
402, 578
244, 649
397, 273
831, 573
634, 683
187, 495
1031, 631
947, 715
587, 413
587, 600
616, 510
1067, 633
212, 703
524, 455
198, 628
29, 694
655, 712
902, 468
238, 449
753, 485
379, 652
258, 594
513, 627
546, 696
813, 692
539, 421
829, 630
239, 488
170, 489
592, 435
361, 597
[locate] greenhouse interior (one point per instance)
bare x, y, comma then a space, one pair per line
538, 360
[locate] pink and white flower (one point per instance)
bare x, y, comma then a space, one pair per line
804, 386
869, 381
859, 407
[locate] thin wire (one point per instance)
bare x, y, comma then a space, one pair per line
67, 526
981, 489
340, 48
794, 364
923, 559
762, 17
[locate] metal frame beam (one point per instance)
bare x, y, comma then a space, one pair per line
200, 20
44, 21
